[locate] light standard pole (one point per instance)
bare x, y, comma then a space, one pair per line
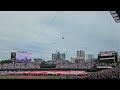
14, 63
114, 60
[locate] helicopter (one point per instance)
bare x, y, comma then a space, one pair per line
62, 37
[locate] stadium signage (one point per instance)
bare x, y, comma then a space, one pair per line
107, 58
107, 53
21, 52
104, 67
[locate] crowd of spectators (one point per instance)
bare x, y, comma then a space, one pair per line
113, 73
67, 64
59, 64
22, 65
82, 64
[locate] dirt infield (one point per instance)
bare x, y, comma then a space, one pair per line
28, 77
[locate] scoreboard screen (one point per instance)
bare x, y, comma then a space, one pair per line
108, 56
21, 56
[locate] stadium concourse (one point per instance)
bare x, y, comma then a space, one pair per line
5, 68
34, 68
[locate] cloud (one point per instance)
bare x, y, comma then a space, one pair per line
91, 31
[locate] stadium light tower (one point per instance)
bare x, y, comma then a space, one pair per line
115, 15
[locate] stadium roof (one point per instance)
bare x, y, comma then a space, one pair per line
115, 15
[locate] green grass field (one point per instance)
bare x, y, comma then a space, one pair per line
34, 77
28, 77
54, 77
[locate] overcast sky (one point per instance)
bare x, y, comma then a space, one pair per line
91, 31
